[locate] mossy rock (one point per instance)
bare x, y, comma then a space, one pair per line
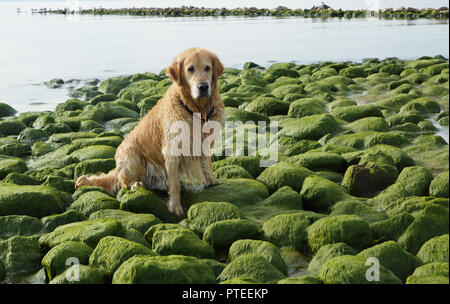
203, 214
411, 181
240, 281
80, 274
20, 179
311, 127
56, 260
353, 72
305, 107
284, 174
361, 209
12, 225
51, 222
317, 161
172, 269
320, 194
261, 248
60, 183
250, 163
416, 279
392, 256
239, 192
349, 229
94, 152
20, 254
11, 164
93, 201
91, 166
89, 232
160, 227
289, 230
284, 198
239, 115
216, 266
348, 269
369, 124
251, 266
352, 113
112, 251
37, 201
268, 106
327, 252
439, 185
231, 171
11, 127
368, 139
141, 200
391, 228
6, 110
432, 269
114, 85
220, 235
435, 250
181, 241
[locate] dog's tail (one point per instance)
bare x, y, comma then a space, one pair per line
108, 181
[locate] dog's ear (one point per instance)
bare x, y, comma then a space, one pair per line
175, 70
217, 67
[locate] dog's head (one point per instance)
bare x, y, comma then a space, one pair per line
196, 70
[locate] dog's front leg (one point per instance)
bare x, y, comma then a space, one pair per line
173, 183
208, 172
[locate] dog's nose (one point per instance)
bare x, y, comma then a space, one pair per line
203, 87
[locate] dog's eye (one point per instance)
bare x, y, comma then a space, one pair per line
191, 69
207, 68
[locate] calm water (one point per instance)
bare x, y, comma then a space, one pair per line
37, 48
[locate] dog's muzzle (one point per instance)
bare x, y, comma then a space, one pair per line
203, 89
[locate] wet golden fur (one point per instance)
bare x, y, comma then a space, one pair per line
144, 159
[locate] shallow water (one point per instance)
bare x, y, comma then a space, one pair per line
35, 48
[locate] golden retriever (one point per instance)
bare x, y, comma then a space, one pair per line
146, 156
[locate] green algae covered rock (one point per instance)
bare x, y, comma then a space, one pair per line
392, 256
311, 127
435, 250
317, 161
249, 163
432, 269
349, 229
327, 252
222, 234
11, 127
6, 110
93, 201
361, 209
418, 279
319, 194
112, 251
139, 221
89, 232
261, 248
369, 124
239, 192
251, 266
391, 228
94, 166
180, 241
11, 225
300, 280
163, 226
284, 174
70, 216
216, 266
367, 139
141, 200
231, 171
201, 215
268, 106
284, 198
411, 181
11, 164
94, 152
172, 269
240, 281
347, 269
439, 185
352, 113
57, 260
80, 274
20, 254
114, 85
305, 107
37, 201
289, 230
2, 272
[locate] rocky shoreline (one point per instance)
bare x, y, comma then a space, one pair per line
315, 12
361, 173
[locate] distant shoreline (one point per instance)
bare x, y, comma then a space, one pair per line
315, 12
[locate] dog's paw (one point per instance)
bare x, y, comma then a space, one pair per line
212, 182
81, 181
137, 184
175, 208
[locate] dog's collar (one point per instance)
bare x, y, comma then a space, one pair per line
208, 117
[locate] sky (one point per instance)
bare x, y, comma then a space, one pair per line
344, 4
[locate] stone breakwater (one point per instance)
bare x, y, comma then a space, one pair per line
361, 174
401, 13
